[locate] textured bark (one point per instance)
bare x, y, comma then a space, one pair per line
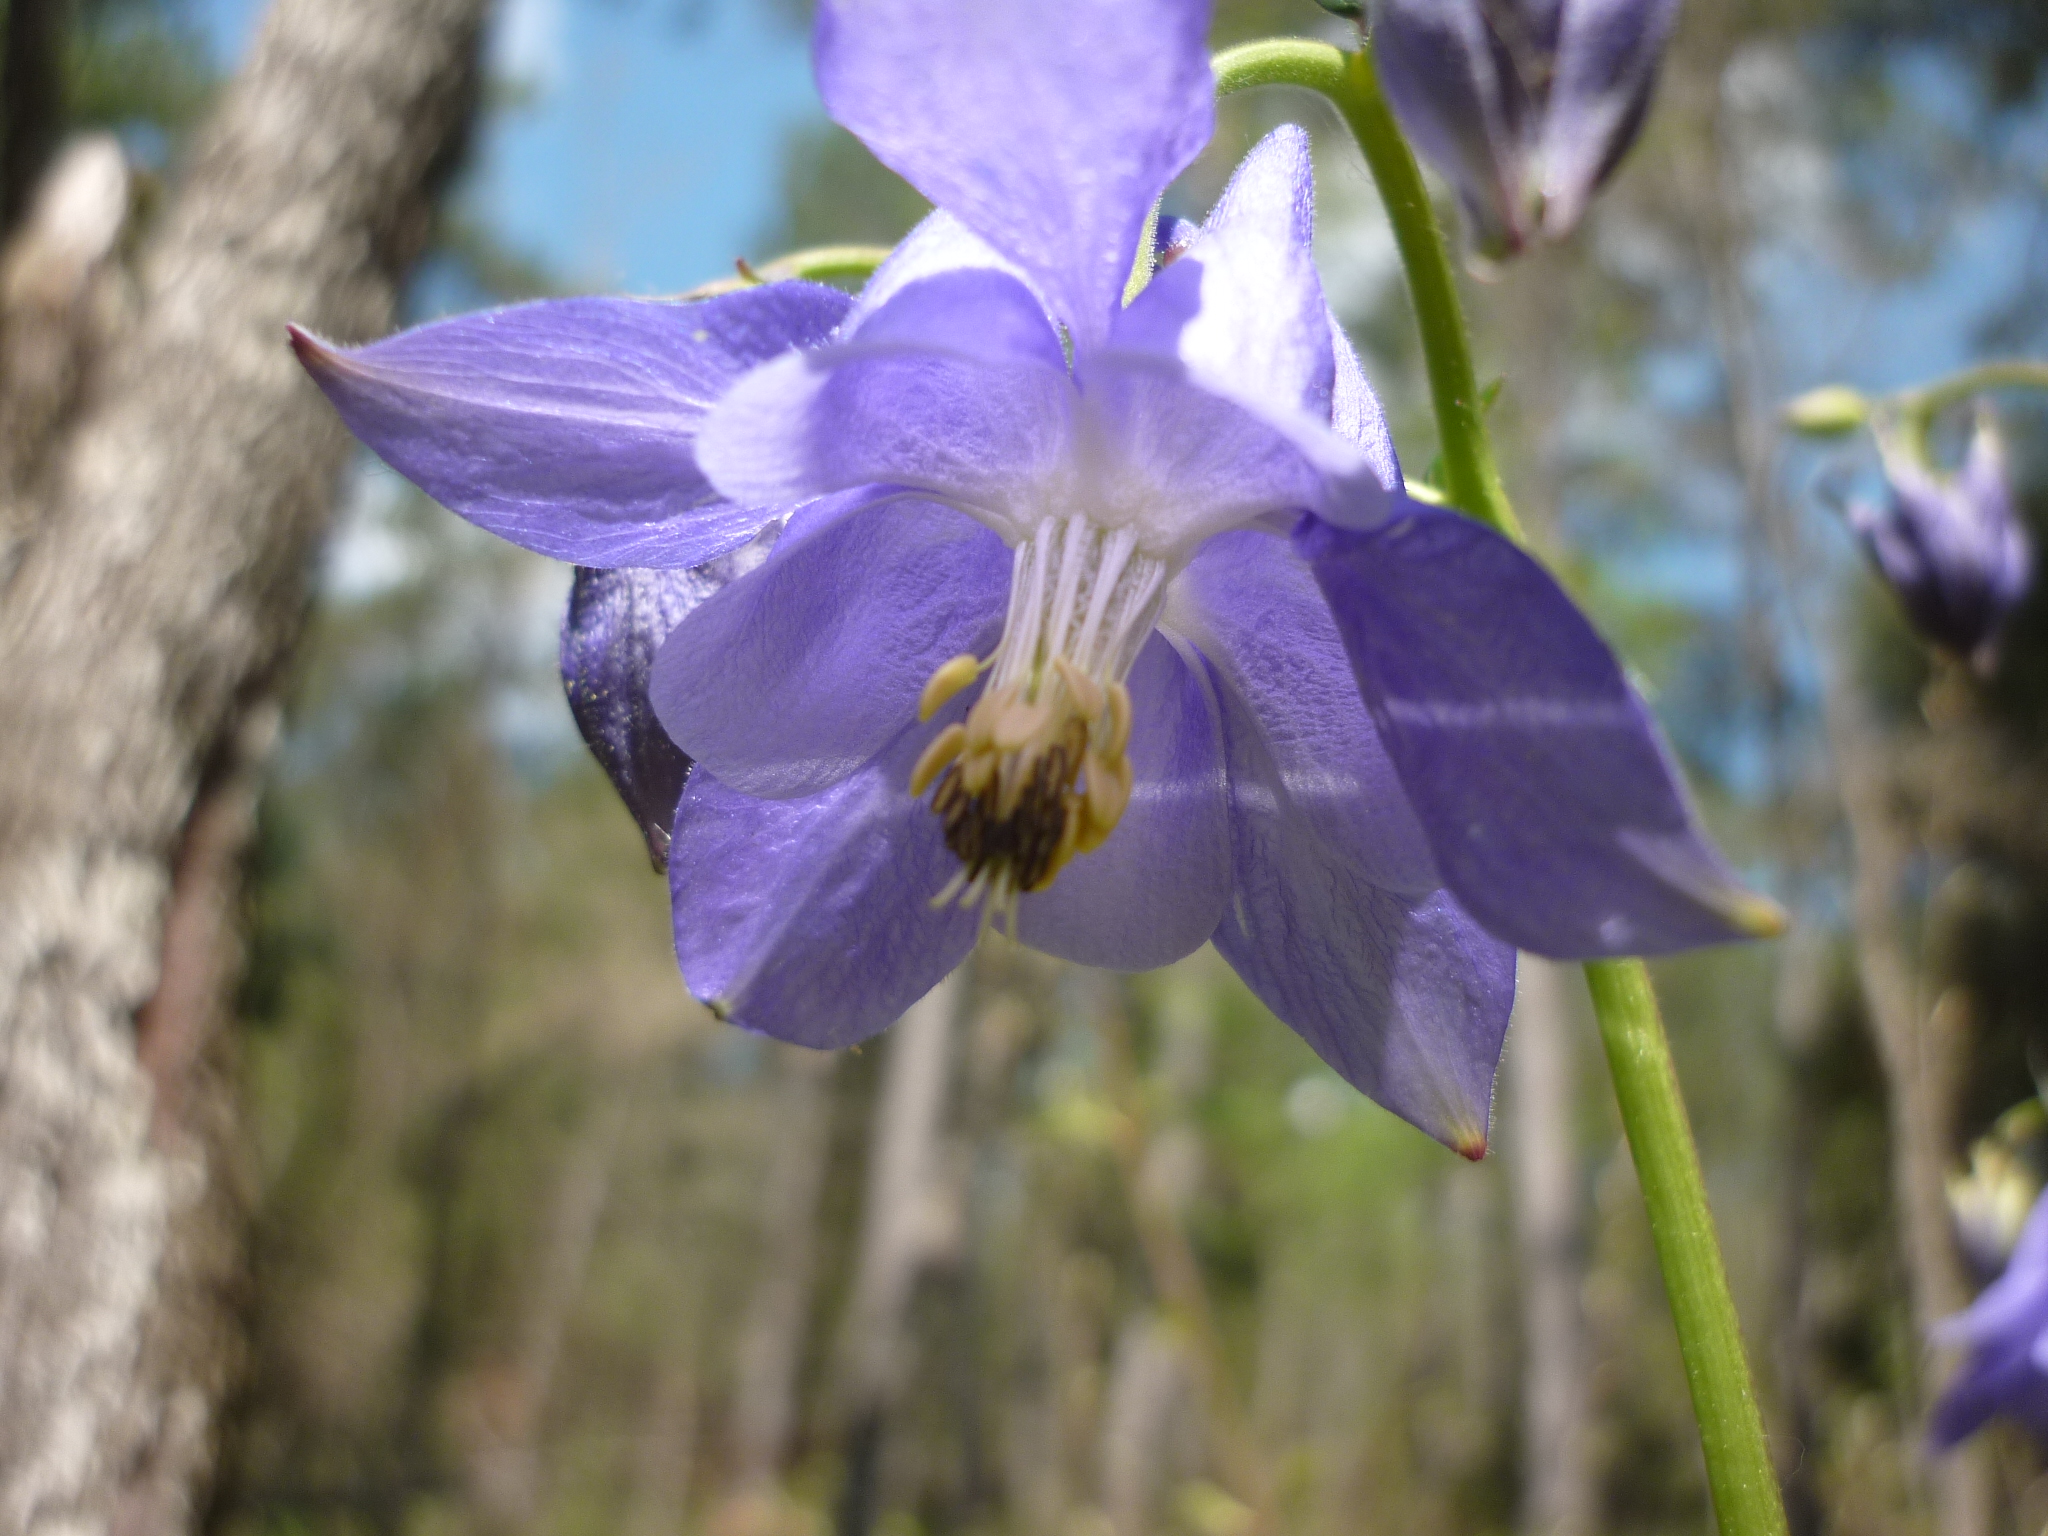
1558, 1495
64, 297
147, 619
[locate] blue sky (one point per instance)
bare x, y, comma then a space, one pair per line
646, 153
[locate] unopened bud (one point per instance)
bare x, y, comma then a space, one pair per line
1828, 411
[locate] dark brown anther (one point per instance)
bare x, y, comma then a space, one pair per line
1025, 843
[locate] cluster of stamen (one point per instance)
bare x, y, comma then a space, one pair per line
1037, 774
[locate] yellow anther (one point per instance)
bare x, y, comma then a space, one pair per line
944, 683
981, 720
1017, 724
1086, 692
943, 749
1119, 720
1109, 791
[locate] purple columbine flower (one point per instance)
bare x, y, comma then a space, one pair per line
1111, 619
2006, 1333
1525, 106
1951, 546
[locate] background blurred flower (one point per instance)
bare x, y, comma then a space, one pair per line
1525, 106
1951, 545
2006, 1333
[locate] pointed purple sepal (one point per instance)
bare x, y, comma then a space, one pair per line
1554, 811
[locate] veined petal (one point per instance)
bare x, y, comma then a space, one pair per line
1407, 998
1155, 891
1554, 811
1251, 606
1335, 919
1049, 133
1357, 416
1242, 306
939, 244
955, 388
1181, 463
811, 919
794, 676
568, 426
1607, 57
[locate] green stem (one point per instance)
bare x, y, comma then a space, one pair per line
1472, 482
1739, 1471
819, 264
1930, 400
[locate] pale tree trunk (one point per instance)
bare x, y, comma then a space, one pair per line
142, 631
64, 299
1157, 1409
771, 1343
1923, 1043
901, 1223
1558, 1495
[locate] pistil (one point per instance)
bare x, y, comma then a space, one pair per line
1038, 774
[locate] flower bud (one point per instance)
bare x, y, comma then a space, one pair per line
616, 622
1525, 106
1950, 545
1829, 411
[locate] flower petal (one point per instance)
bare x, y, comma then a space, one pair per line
1607, 57
1157, 451
811, 920
1155, 891
1357, 416
1461, 106
939, 244
796, 675
1242, 306
956, 387
1050, 136
1251, 606
1335, 918
567, 426
1406, 998
616, 623
1556, 816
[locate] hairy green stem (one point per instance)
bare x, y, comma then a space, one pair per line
1739, 1471
1471, 481
819, 264
1930, 400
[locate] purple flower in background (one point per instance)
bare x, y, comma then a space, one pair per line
1525, 106
1112, 621
1951, 546
2006, 1333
